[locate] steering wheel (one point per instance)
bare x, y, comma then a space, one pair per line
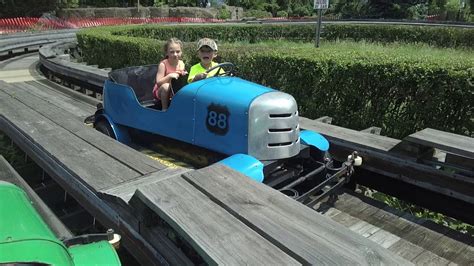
230, 72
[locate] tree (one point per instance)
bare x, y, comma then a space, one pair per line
353, 9
26, 8
397, 9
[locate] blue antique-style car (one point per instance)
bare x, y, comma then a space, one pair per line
256, 127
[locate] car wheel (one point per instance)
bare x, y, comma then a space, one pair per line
104, 127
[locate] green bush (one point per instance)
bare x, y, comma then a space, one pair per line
435, 36
418, 11
282, 14
223, 13
257, 13
361, 85
227, 33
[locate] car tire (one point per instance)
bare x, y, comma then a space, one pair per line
104, 127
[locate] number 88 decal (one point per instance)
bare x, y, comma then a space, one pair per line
217, 120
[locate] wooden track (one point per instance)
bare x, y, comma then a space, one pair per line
41, 121
411, 161
433, 168
417, 240
88, 165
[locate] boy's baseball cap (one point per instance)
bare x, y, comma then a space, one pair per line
207, 42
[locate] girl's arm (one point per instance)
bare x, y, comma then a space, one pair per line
182, 68
160, 75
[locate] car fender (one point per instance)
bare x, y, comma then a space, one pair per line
314, 139
120, 132
246, 165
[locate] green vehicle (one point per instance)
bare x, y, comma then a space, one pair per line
26, 239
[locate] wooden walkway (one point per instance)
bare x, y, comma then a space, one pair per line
253, 224
418, 240
438, 164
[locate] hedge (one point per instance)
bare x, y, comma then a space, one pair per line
436, 36
359, 88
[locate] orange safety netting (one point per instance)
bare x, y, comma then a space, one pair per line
22, 24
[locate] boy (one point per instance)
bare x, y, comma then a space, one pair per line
207, 51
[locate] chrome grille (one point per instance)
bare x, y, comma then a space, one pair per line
273, 127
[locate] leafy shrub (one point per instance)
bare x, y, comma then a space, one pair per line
418, 11
352, 9
223, 13
257, 13
282, 14
400, 90
436, 36
300, 11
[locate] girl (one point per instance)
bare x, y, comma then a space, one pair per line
169, 68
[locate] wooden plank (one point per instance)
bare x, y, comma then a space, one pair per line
126, 190
400, 232
460, 161
96, 169
71, 91
345, 135
394, 225
139, 247
290, 225
372, 130
384, 238
330, 212
454, 250
406, 249
126, 155
66, 102
451, 246
355, 224
382, 155
8, 174
364, 229
216, 235
428, 258
354, 206
453, 143
422, 237
345, 219
324, 119
156, 237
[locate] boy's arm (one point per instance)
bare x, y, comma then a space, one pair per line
196, 73
192, 73
214, 72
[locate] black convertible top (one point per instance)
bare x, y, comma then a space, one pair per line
142, 79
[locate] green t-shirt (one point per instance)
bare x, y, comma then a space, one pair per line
198, 69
